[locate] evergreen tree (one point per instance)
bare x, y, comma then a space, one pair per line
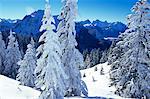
79, 60
93, 57
2, 53
112, 53
115, 54
50, 72
88, 61
67, 35
104, 57
13, 55
98, 56
132, 75
32, 42
27, 66
85, 52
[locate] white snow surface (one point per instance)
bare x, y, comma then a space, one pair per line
100, 87
11, 89
110, 38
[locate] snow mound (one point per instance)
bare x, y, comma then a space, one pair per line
11, 89
99, 85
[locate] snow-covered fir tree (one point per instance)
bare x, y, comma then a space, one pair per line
92, 58
104, 56
13, 55
95, 56
115, 54
67, 35
2, 53
132, 70
87, 61
111, 52
85, 52
98, 56
27, 67
50, 70
32, 42
79, 60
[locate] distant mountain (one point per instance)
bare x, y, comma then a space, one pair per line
97, 34
89, 34
102, 30
88, 41
30, 24
6, 24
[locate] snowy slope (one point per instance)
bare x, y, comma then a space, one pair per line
10, 89
99, 88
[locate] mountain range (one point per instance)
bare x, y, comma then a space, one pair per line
90, 35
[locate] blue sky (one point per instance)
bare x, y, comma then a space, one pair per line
110, 10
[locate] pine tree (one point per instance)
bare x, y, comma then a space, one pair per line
93, 57
98, 56
88, 61
132, 76
2, 53
85, 52
13, 55
50, 72
27, 67
32, 42
104, 57
113, 54
67, 35
79, 60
